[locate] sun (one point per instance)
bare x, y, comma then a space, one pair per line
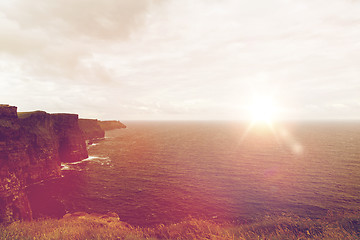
263, 110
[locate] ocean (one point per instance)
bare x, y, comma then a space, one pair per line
163, 172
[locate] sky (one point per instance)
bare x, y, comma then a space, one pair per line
182, 60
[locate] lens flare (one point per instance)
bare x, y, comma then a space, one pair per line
264, 111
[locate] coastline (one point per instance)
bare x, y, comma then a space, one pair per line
33, 145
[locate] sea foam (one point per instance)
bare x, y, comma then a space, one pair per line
95, 159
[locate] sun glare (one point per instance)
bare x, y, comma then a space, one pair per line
263, 110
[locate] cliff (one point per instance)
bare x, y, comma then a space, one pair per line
14, 161
110, 125
91, 129
72, 146
32, 146
42, 146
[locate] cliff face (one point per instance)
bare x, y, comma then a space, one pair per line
42, 146
32, 146
91, 129
110, 125
14, 203
72, 146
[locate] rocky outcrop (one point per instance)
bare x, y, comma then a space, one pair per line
91, 129
108, 217
110, 125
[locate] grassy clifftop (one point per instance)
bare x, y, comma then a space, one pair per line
100, 227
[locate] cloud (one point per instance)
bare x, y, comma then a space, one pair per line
13, 40
89, 18
182, 58
56, 38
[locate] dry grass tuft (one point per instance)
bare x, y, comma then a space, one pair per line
92, 226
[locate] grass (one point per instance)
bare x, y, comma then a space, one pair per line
346, 226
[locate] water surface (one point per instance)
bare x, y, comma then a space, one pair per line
163, 172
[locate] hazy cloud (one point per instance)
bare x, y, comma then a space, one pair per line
181, 59
88, 18
55, 38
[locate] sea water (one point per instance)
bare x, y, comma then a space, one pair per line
164, 172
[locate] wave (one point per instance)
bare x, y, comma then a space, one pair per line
94, 159
92, 145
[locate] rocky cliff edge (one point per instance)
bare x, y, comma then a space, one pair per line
110, 125
32, 147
